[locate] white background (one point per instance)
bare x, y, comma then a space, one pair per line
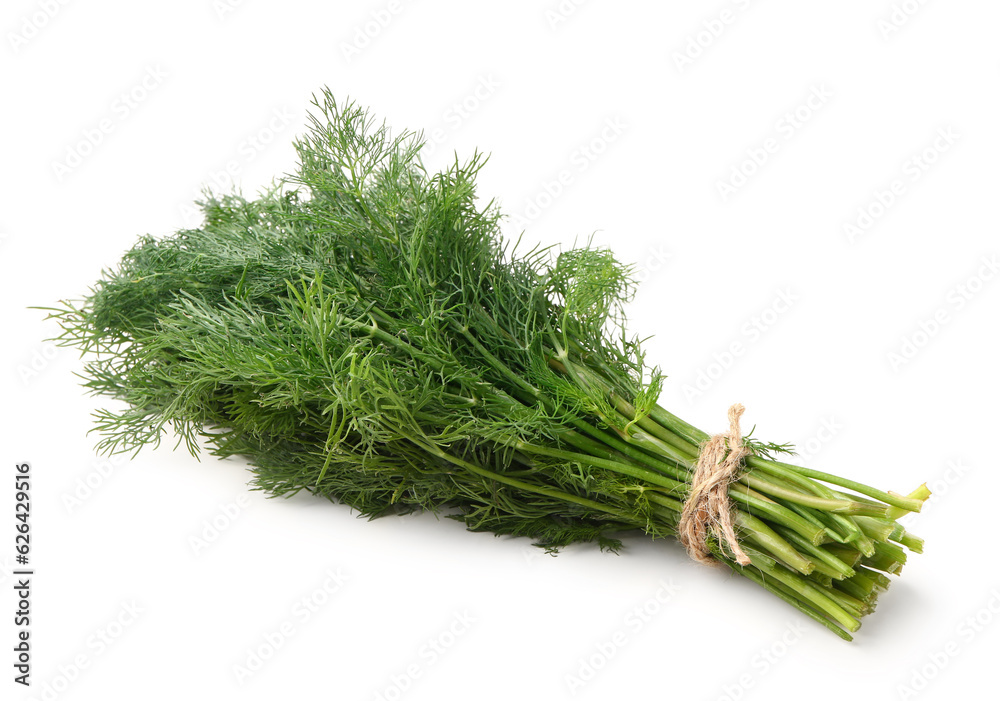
642, 110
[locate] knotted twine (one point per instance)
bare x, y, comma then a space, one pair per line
707, 507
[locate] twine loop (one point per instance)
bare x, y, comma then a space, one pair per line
707, 508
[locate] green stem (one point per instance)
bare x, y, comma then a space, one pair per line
621, 468
900, 502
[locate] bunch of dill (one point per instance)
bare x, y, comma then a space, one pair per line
361, 331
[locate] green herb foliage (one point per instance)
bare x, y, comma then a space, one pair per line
362, 332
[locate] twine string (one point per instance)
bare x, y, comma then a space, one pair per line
707, 509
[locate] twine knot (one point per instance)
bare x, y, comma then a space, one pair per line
707, 507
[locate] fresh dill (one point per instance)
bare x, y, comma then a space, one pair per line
362, 332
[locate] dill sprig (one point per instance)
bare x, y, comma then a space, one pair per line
362, 332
